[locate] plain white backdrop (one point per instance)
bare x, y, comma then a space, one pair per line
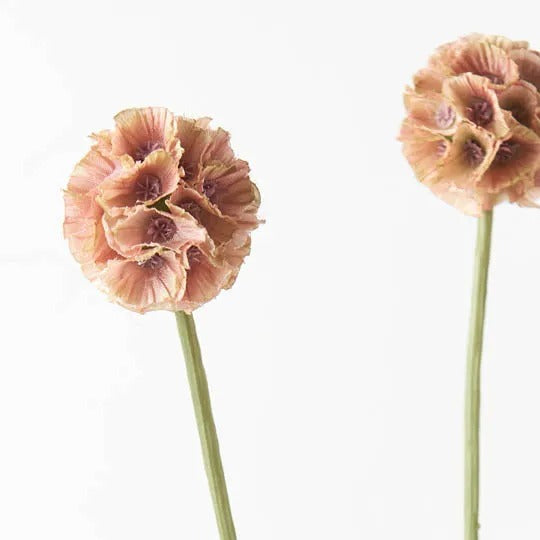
336, 363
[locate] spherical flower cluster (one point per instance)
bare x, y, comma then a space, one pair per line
159, 212
472, 131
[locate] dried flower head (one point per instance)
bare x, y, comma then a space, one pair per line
472, 131
159, 212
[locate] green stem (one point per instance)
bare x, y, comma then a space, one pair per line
205, 424
472, 387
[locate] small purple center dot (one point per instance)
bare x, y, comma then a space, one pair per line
480, 112
474, 153
148, 187
506, 151
153, 263
161, 229
445, 116
145, 149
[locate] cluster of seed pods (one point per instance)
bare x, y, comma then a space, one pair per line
472, 130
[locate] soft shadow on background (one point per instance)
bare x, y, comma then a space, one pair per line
336, 363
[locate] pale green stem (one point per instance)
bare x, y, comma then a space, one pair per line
472, 387
205, 424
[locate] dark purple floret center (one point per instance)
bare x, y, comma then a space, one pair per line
146, 149
161, 229
474, 153
148, 187
445, 116
153, 263
481, 112
506, 151
194, 255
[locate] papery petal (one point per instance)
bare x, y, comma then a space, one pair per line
131, 234
528, 63
456, 167
139, 132
205, 279
523, 161
234, 253
141, 287
431, 111
219, 148
423, 149
126, 188
464, 200
521, 100
103, 141
499, 41
531, 192
90, 172
85, 234
428, 80
486, 60
195, 139
230, 189
220, 228
467, 91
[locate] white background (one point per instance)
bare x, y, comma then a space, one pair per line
336, 363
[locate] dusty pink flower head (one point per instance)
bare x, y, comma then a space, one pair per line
472, 131
159, 212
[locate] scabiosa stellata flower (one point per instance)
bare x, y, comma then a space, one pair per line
159, 212
472, 136
472, 131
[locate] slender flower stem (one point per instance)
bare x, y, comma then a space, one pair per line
472, 387
205, 424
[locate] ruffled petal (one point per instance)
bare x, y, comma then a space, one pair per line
465, 200
487, 60
220, 228
521, 101
90, 172
143, 231
528, 63
531, 192
219, 148
230, 189
85, 234
423, 149
470, 154
195, 139
431, 111
234, 253
205, 279
157, 283
141, 183
139, 132
474, 99
516, 158
499, 41
103, 142
428, 80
